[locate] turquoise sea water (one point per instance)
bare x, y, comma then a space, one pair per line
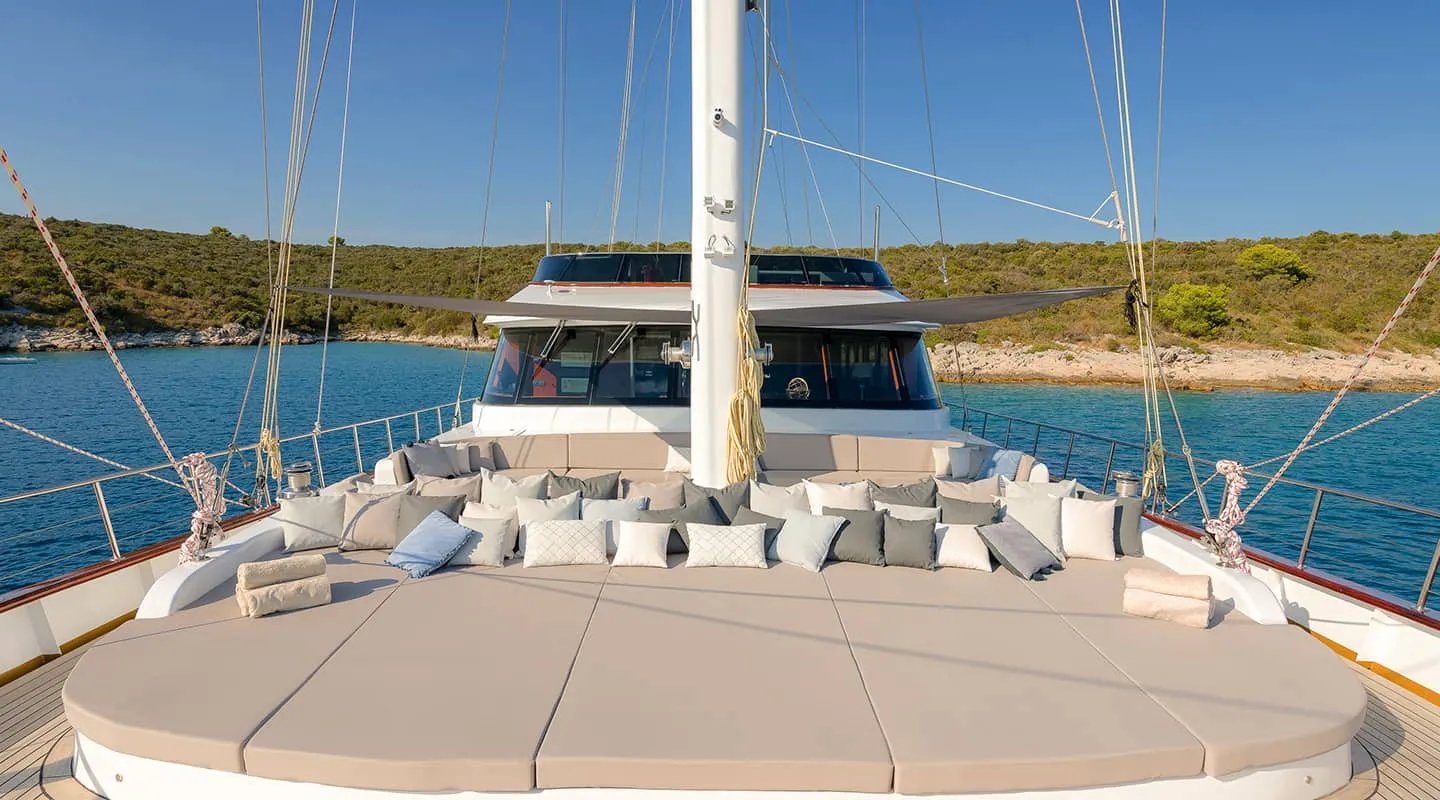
195, 393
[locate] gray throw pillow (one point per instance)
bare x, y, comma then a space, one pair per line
487, 545
920, 493
415, 508
909, 543
704, 513
429, 459
860, 538
749, 516
600, 487
1128, 512
662, 494
1017, 549
727, 499
965, 512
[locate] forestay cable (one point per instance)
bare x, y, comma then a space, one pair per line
624, 127
335, 231
934, 165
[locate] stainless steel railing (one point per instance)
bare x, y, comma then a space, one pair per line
1404, 517
60, 543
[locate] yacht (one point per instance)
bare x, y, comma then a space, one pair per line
142, 677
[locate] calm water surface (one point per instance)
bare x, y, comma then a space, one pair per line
195, 395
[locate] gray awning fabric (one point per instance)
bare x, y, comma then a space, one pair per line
943, 311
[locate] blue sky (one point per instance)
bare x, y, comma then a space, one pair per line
1280, 118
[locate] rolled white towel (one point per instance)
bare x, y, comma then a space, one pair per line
265, 573
1168, 607
288, 596
1196, 587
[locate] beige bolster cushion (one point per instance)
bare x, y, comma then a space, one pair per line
1180, 610
289, 596
266, 573
1196, 587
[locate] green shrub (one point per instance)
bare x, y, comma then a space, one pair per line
1193, 309
1263, 260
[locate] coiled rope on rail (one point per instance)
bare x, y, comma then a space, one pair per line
203, 483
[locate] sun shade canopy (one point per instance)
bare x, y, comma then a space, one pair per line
943, 311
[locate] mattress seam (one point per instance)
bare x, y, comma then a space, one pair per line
860, 673
569, 672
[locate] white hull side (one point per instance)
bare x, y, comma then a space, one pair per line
121, 777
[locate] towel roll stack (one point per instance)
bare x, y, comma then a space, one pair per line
1183, 599
286, 584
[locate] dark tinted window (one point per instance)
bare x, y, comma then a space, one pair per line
656, 268
797, 375
841, 271
777, 270
631, 371
863, 369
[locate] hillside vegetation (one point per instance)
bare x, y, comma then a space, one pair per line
1331, 290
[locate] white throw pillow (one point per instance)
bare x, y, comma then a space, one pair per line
677, 459
500, 490
640, 544
774, 501
486, 511
849, 496
1009, 488
459, 457
960, 546
529, 510
311, 522
385, 488
726, 545
1087, 528
965, 461
1041, 516
908, 512
805, 539
613, 511
493, 542
940, 456
556, 542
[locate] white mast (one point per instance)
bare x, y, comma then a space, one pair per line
717, 248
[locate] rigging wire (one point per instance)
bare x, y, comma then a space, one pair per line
1159, 116
85, 306
860, 117
795, 83
645, 123
335, 231
665, 125
564, 46
485, 211
624, 128
930, 129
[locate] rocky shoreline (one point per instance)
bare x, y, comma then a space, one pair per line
1213, 368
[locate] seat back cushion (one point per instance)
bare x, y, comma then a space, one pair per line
640, 450
888, 454
811, 451
544, 451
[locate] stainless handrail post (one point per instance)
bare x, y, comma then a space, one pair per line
110, 527
439, 423
389, 435
1035, 446
359, 459
319, 462
984, 423
1310, 528
1429, 579
1008, 427
1105, 482
418, 437
1068, 451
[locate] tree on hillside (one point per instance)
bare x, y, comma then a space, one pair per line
223, 233
1193, 309
1263, 260
337, 241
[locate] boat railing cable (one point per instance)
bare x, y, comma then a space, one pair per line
335, 230
489, 185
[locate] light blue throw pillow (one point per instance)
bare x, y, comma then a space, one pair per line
1005, 463
433, 543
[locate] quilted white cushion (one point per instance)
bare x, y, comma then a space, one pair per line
854, 496
555, 542
1087, 528
961, 546
726, 545
640, 544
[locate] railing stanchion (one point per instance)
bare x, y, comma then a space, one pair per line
359, 459
1310, 528
965, 418
439, 423
1035, 446
110, 527
1068, 451
984, 423
319, 462
1008, 427
1429, 579
389, 435
418, 437
1105, 481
